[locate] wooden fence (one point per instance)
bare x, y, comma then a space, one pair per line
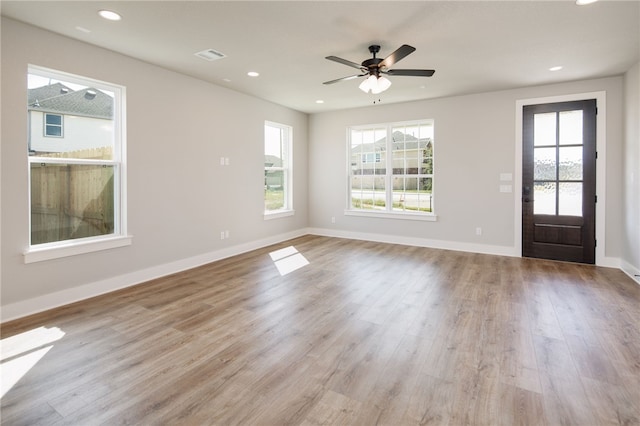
71, 201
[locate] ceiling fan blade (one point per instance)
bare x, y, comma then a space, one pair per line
412, 73
344, 62
400, 53
351, 77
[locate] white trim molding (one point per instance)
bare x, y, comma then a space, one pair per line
630, 270
60, 298
418, 242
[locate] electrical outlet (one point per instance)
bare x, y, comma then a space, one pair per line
333, 219
478, 231
222, 235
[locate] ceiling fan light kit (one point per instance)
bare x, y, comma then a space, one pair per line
375, 84
373, 67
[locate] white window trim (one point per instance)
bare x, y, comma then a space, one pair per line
428, 217
388, 214
119, 238
276, 214
288, 173
49, 251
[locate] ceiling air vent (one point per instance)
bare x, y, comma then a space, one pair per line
210, 55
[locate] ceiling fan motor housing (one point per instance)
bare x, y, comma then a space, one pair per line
372, 64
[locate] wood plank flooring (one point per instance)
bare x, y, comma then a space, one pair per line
365, 334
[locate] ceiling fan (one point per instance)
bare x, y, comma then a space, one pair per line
374, 67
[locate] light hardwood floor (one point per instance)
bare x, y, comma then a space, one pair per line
365, 334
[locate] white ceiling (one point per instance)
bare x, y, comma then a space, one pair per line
474, 46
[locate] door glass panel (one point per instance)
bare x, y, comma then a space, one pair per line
544, 198
544, 164
570, 198
570, 167
544, 129
571, 128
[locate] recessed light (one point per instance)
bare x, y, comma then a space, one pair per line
110, 15
253, 74
319, 101
583, 2
558, 68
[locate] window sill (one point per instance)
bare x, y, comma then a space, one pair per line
278, 214
429, 217
74, 247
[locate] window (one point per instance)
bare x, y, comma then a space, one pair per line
391, 169
277, 170
76, 182
53, 125
371, 157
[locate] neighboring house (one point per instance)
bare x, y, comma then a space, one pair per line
411, 156
272, 178
61, 119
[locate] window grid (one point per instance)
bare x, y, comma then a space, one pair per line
402, 180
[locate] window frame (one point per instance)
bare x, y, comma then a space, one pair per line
46, 125
286, 168
389, 213
119, 237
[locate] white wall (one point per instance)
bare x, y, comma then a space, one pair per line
474, 143
179, 197
631, 167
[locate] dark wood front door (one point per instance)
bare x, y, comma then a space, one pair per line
559, 181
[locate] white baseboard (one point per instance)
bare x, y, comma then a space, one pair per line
419, 242
65, 297
60, 298
630, 270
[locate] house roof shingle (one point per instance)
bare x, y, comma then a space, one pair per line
56, 97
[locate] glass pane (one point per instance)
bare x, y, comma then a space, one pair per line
570, 167
402, 187
412, 194
426, 148
54, 119
367, 151
53, 131
571, 128
544, 198
544, 163
544, 129
425, 200
84, 123
367, 192
71, 201
570, 199
273, 190
273, 153
398, 162
427, 166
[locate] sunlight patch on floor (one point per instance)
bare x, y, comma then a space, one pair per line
288, 260
20, 353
